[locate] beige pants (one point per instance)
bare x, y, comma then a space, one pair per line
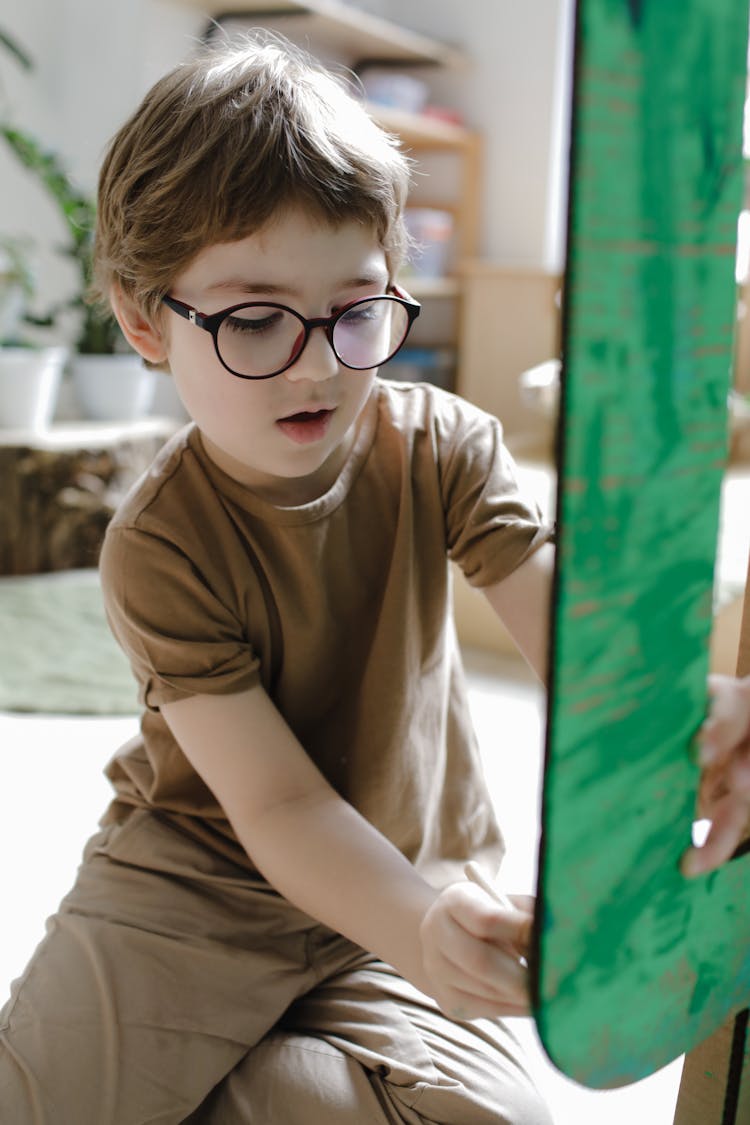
171, 988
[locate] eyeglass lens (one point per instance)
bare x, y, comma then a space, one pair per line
262, 339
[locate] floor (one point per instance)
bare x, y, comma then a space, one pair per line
50, 776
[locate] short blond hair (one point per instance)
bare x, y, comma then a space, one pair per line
222, 144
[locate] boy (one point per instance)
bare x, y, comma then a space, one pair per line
272, 925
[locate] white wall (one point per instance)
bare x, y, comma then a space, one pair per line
95, 59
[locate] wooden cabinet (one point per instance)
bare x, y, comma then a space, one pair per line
510, 322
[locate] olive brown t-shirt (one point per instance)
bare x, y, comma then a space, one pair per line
340, 608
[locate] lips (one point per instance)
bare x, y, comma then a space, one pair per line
306, 425
305, 416
314, 406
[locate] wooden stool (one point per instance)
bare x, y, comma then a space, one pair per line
59, 489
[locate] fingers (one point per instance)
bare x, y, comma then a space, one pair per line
725, 799
479, 978
482, 917
525, 904
727, 727
724, 793
471, 954
730, 818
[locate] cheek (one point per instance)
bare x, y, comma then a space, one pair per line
199, 377
225, 407
191, 356
214, 401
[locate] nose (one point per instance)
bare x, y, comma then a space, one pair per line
318, 361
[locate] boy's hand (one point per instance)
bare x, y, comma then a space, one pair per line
472, 950
724, 793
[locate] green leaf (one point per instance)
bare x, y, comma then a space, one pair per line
99, 331
16, 50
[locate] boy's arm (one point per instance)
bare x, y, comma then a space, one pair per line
522, 601
321, 855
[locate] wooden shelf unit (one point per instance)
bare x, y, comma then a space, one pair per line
421, 133
362, 37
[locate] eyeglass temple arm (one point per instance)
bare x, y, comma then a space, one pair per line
180, 308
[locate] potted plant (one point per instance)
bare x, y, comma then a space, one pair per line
29, 373
118, 387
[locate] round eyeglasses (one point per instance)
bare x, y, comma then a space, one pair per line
258, 340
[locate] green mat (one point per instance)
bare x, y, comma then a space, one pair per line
57, 654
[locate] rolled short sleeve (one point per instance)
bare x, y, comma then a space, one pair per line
181, 636
491, 526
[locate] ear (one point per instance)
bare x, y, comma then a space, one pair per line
147, 338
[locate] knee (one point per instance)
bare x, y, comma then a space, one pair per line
300, 1079
294, 1078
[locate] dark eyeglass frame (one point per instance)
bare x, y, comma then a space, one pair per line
213, 322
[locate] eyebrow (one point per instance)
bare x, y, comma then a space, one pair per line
269, 289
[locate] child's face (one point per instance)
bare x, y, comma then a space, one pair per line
314, 269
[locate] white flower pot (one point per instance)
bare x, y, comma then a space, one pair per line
29, 383
112, 388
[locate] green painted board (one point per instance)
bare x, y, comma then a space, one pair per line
634, 964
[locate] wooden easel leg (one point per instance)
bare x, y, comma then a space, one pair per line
715, 1085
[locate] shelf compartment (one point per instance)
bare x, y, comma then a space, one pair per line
422, 131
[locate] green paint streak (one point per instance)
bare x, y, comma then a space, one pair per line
635, 965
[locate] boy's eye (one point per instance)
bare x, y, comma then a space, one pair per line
254, 321
361, 313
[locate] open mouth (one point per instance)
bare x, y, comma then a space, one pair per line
306, 425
